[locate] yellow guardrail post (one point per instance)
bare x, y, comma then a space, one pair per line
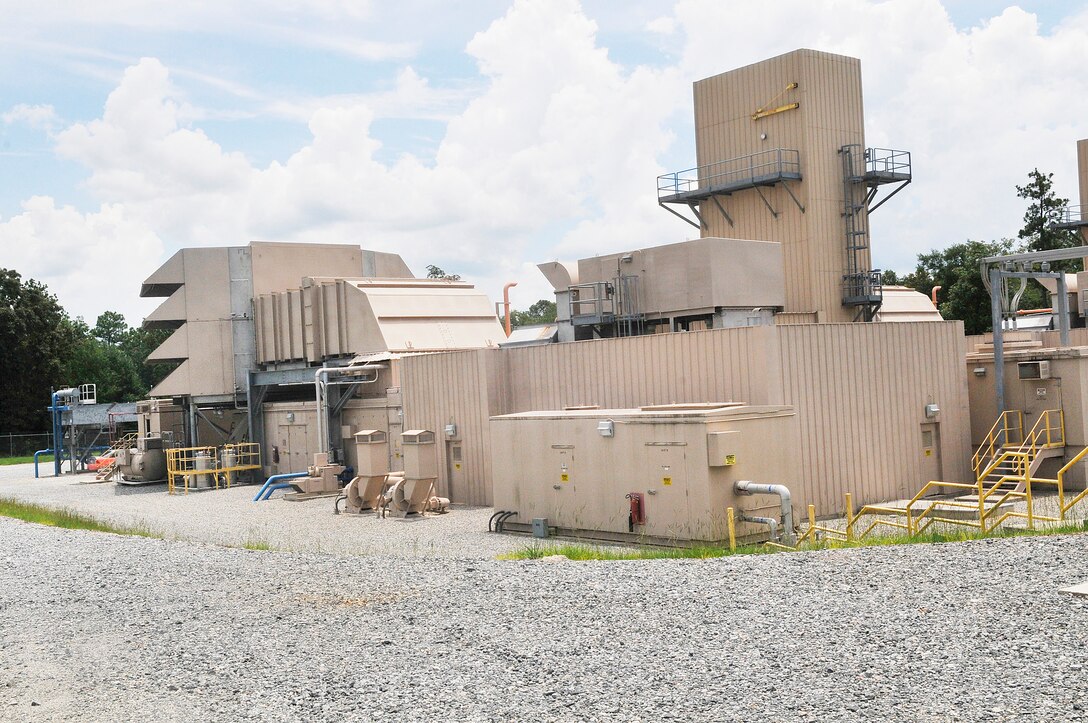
1027, 492
981, 509
732, 529
849, 517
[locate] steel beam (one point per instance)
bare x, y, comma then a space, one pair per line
999, 350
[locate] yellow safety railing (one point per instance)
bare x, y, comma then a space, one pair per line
190, 466
237, 458
1007, 430
1047, 432
183, 464
995, 468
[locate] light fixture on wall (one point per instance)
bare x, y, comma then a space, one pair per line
932, 410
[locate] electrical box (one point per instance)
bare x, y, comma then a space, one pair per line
372, 453
1033, 370
721, 449
420, 454
540, 527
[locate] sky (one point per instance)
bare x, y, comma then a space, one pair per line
481, 137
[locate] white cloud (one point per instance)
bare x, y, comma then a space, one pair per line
978, 108
663, 25
84, 258
559, 135
552, 151
42, 117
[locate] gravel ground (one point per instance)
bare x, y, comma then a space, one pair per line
231, 517
100, 627
96, 626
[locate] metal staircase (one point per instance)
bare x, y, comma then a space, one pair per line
107, 471
1008, 456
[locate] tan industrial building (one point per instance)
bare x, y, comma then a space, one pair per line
784, 316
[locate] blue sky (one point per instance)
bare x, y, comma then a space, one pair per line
483, 139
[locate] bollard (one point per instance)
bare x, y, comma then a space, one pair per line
732, 530
849, 517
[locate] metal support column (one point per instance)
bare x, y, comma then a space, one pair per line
999, 349
1063, 311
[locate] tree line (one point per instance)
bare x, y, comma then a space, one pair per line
956, 268
42, 347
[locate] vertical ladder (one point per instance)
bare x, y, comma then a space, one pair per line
861, 285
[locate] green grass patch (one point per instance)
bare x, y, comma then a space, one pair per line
66, 519
252, 544
25, 460
581, 551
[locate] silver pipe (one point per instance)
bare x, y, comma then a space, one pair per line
770, 522
321, 380
745, 487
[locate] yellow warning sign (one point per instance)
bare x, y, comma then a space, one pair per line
730, 460
564, 478
929, 452
457, 465
666, 480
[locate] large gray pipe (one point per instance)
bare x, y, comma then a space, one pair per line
744, 487
770, 522
321, 381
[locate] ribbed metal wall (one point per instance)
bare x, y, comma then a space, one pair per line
462, 388
860, 391
829, 117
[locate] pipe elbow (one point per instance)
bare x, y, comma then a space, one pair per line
746, 487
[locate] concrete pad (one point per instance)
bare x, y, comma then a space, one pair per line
1080, 590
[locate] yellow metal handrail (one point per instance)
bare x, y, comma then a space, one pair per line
182, 463
1045, 433
1000, 434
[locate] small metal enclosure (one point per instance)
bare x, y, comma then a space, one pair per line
372, 453
680, 461
420, 454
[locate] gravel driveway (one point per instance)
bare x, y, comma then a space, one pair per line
99, 627
231, 517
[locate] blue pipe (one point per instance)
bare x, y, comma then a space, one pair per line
58, 411
40, 451
273, 488
276, 478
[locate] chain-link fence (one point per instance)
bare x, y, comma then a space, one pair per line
24, 445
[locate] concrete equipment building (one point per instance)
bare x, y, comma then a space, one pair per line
302, 347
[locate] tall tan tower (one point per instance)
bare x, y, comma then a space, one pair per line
781, 156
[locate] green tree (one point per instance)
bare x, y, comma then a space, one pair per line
541, 312
433, 272
110, 327
92, 361
138, 344
1044, 210
35, 337
956, 270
